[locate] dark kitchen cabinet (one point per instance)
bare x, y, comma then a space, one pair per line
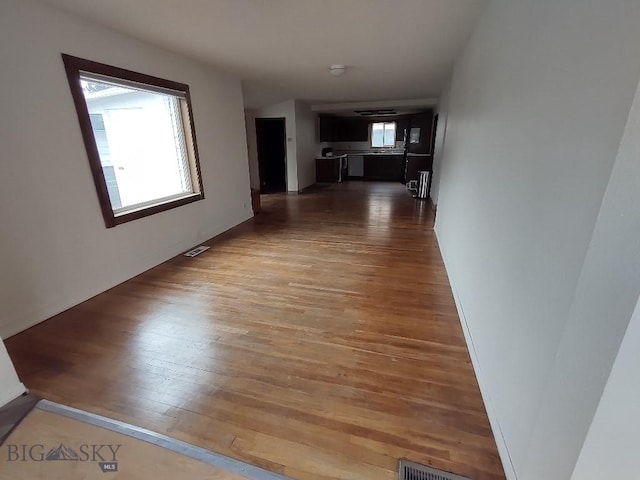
331, 169
343, 129
384, 167
359, 130
402, 124
350, 129
326, 170
326, 128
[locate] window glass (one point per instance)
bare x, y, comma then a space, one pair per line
383, 134
140, 143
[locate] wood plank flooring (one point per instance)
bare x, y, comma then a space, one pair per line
318, 340
135, 458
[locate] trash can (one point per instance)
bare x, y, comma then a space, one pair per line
423, 184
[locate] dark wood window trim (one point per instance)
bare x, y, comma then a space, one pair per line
74, 67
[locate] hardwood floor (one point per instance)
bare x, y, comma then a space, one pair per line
318, 340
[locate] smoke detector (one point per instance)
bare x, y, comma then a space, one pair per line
337, 70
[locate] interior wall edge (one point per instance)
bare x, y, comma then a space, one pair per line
12, 393
10, 385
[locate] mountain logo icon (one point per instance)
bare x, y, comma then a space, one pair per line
62, 452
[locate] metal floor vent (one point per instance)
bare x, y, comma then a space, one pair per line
196, 251
408, 470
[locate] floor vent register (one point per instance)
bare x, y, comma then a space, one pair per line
196, 251
408, 470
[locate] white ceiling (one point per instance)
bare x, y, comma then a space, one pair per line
281, 49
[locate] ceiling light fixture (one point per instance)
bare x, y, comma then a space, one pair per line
337, 70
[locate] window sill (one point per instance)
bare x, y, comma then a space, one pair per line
128, 216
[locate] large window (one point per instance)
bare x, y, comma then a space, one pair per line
140, 139
383, 134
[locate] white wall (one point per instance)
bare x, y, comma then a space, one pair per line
286, 110
611, 448
442, 110
538, 104
605, 297
55, 250
306, 143
302, 143
10, 386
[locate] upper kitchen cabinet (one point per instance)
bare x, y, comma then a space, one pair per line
402, 124
326, 128
343, 129
358, 129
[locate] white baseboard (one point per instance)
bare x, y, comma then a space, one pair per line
11, 394
503, 449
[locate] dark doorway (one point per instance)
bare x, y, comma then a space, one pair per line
271, 142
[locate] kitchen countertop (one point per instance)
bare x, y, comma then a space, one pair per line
383, 153
342, 155
374, 153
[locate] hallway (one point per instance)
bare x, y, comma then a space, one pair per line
319, 340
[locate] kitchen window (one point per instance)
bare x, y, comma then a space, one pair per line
140, 139
383, 134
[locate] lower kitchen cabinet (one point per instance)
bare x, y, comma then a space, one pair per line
331, 169
326, 170
384, 167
